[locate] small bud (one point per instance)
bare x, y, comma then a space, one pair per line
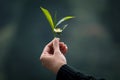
57, 30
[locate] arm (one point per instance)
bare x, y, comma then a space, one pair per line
53, 59
68, 73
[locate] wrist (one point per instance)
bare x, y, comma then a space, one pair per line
58, 66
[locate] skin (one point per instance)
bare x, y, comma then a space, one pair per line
52, 56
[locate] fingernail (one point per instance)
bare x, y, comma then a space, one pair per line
57, 38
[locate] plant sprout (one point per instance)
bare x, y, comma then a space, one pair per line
54, 25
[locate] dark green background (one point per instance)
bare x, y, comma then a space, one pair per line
93, 37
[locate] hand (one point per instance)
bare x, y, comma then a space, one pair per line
62, 46
52, 56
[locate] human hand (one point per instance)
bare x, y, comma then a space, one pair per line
52, 56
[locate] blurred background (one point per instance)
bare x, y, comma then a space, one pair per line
93, 37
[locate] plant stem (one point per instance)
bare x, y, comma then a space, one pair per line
54, 35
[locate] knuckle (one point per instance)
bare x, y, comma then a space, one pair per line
57, 51
41, 58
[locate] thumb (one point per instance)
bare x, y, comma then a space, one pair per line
56, 45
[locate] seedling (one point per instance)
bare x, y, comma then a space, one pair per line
55, 25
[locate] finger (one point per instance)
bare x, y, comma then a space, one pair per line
63, 48
42, 55
48, 46
56, 44
62, 44
45, 54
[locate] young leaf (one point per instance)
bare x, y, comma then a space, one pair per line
64, 19
65, 26
55, 18
49, 17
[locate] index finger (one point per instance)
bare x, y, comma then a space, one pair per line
49, 45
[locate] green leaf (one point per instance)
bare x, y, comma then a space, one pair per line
55, 18
64, 19
48, 16
65, 26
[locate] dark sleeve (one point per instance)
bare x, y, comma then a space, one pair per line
68, 73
